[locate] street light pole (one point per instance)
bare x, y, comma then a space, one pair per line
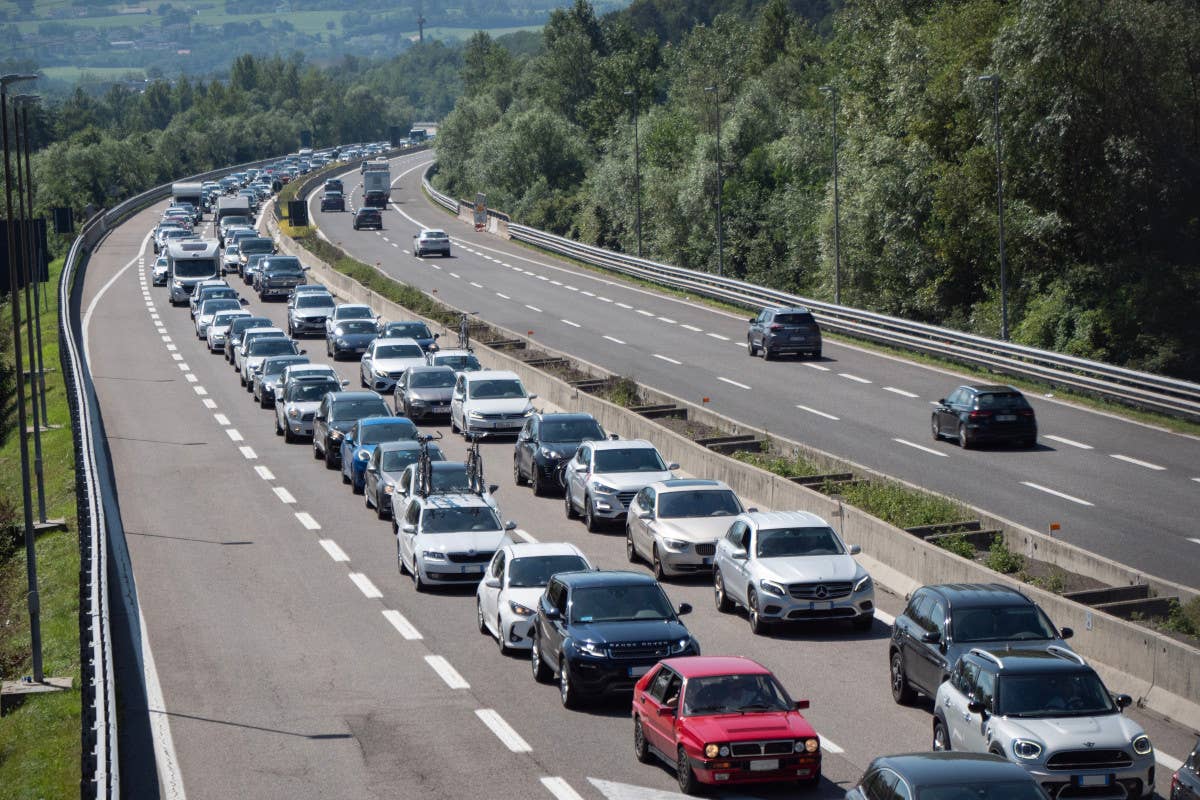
837, 211
720, 226
995, 81
39, 256
637, 168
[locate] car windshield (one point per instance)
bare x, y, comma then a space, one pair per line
623, 602
256, 245
496, 389
223, 319
1063, 694
220, 304
979, 790
431, 380
453, 520
733, 694
570, 430
311, 391
354, 312
314, 300
274, 366
458, 363
195, 267
1002, 401
784, 542
242, 323
436, 235
411, 330
388, 432
284, 262
629, 459
698, 503
357, 326
220, 293
399, 351
1006, 623
360, 409
534, 571
270, 346
397, 460
232, 250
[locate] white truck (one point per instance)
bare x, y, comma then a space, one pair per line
377, 183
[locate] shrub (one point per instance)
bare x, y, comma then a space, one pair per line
1003, 560
958, 544
1184, 617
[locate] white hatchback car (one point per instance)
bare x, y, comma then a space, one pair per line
515, 580
489, 401
674, 525
385, 361
448, 539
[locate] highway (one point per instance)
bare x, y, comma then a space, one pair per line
1125, 490
294, 661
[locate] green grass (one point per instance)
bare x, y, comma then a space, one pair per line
899, 505
795, 467
40, 741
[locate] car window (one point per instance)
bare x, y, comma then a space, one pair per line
414, 514
981, 790
398, 351
805, 541
738, 536
313, 300
918, 608
557, 595
659, 684
1025, 622
574, 430
311, 391
620, 602
884, 786
355, 326
358, 409
794, 318
671, 691
534, 571
957, 397
496, 570
430, 380
629, 459
734, 694
497, 389
937, 617
967, 677
397, 460
1080, 694
388, 432
985, 688
456, 519
1002, 401
699, 503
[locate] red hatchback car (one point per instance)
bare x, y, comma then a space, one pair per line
723, 720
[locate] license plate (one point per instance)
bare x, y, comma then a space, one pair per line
1006, 418
765, 765
707, 561
637, 672
468, 568
820, 605
1094, 780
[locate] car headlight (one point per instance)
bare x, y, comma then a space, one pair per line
863, 584
335, 434
675, 544
474, 415
339, 331
714, 750
602, 488
1142, 746
546, 452
1026, 749
519, 609
529, 411
363, 455
388, 488
178, 284
340, 341
592, 649
433, 555
680, 646
772, 587
807, 745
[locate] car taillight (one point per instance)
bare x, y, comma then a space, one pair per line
1026, 412
1175, 784
979, 415
776, 327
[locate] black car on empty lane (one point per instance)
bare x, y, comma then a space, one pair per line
367, 217
975, 415
333, 200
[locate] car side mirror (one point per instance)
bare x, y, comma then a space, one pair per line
855, 549
752, 510
931, 637
303, 351
614, 436
533, 397
974, 706
739, 555
751, 320
1123, 701
408, 527
345, 383
646, 515
372, 468
666, 711
685, 608
1067, 633
492, 583
510, 525
437, 336
243, 301
673, 465
941, 402
493, 488
801, 705
550, 612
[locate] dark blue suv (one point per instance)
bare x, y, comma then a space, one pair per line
598, 632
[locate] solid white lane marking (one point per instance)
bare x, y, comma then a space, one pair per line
734, 383
884, 617
666, 358
900, 392
503, 296
817, 367
235, 434
561, 789
1048, 490
692, 328
1069, 442
921, 447
624, 305
854, 378
1137, 461
284, 495
504, 732
402, 625
265, 473
248, 453
207, 402
365, 586
335, 552
829, 746
572, 324
644, 312
533, 308
169, 777
525, 536
477, 285
447, 672
818, 413
613, 339
718, 336
221, 419
190, 378
1170, 763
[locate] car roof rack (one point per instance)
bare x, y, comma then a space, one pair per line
1067, 653
990, 656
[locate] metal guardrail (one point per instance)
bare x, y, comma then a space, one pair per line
445, 201
1142, 389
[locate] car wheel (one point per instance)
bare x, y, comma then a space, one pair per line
535, 481
566, 690
660, 574
630, 550
589, 519
767, 354
902, 691
357, 487
518, 478
758, 625
503, 645
941, 740
541, 672
316, 450
1030, 443
263, 401
418, 584
453, 424
751, 350
683, 773
640, 750
278, 427
401, 567
934, 430
567, 505
479, 618
380, 513
964, 441
288, 436
816, 354
723, 603
330, 461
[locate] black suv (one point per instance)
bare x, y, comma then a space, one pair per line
334, 185
941, 623
546, 441
336, 416
599, 632
367, 217
945, 775
776, 331
278, 276
977, 414
333, 200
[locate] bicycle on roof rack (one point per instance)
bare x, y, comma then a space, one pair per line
464, 331
475, 463
425, 463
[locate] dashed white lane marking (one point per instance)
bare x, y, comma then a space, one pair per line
586, 293
571, 288
200, 390
435, 266
718, 336
692, 328
560, 789
190, 378
613, 339
503, 296
900, 392
402, 625
734, 383
1197, 480
335, 552
1069, 442
884, 617
210, 404
248, 453
235, 434
369, 590
176, 357
624, 305
854, 378
504, 732
447, 672
221, 419
541, 277
166, 338
510, 266
668, 359
818, 413
171, 348
1048, 490
1170, 763
527, 272
284, 495
477, 285
1194, 541
453, 274
817, 367
644, 312
1138, 462
827, 744
307, 521
556, 283
525, 536
265, 473
921, 447
533, 308
572, 324
667, 320
603, 299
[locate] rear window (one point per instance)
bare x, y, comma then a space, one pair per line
314, 300
794, 319
1004, 400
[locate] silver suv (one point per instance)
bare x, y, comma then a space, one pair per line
601, 480
1048, 711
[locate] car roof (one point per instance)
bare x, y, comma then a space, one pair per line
684, 484
397, 340
431, 230
404, 444
352, 305
363, 394
606, 577
566, 416
619, 444
1038, 660
263, 329
791, 310
534, 549
491, 375
704, 666
456, 352
951, 767
427, 368
976, 595
383, 420
990, 388
448, 500
778, 519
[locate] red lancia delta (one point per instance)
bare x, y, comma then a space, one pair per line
723, 720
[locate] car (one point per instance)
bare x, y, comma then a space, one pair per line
599, 632
253, 246
209, 289
386, 360
336, 415
675, 525
383, 472
368, 217
219, 328
1046, 710
351, 337
416, 330
457, 360
278, 276
360, 441
489, 402
346, 311
602, 478
266, 378
974, 415
445, 477
307, 312
941, 622
250, 267
248, 336
945, 776
297, 401
260, 348
422, 392
333, 200
158, 275
545, 443
1185, 782
431, 241
513, 583
231, 259
776, 331
209, 308
790, 566
448, 539
334, 185
723, 721
233, 337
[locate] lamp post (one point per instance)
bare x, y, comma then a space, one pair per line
720, 228
637, 168
35, 626
995, 81
27, 100
837, 211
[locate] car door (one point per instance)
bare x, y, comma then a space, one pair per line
457, 398
349, 442
524, 449
320, 419
658, 726
577, 475
734, 571
910, 627
954, 703
365, 363
408, 539
371, 477
976, 723
640, 529
932, 664
489, 596
554, 630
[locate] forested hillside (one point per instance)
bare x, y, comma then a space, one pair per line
1099, 109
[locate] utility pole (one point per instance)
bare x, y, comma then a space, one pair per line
995, 81
637, 168
837, 211
720, 227
38, 299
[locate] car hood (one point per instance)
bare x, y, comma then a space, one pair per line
527, 596
397, 364
303, 406
356, 338
431, 393
1105, 731
314, 311
512, 405
803, 569
564, 449
695, 529
631, 481
750, 727
479, 541
646, 630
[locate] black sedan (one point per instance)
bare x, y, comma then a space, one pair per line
351, 337
367, 217
333, 201
982, 414
546, 441
946, 776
